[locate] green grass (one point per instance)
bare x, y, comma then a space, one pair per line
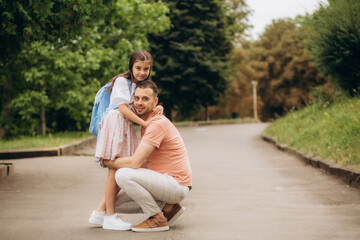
328, 130
47, 141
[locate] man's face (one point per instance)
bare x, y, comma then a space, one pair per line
144, 101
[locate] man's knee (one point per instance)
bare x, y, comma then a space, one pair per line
123, 175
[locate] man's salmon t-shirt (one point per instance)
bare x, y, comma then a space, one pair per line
169, 155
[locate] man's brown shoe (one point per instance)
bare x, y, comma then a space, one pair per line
155, 223
174, 213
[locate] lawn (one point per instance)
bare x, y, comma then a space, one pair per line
46, 141
326, 129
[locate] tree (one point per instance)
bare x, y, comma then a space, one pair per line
60, 72
25, 22
334, 44
279, 63
237, 12
288, 73
239, 100
191, 59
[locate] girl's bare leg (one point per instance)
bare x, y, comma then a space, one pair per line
111, 190
107, 207
101, 207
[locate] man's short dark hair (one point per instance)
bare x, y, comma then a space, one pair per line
148, 84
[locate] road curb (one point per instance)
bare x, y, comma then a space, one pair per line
6, 170
64, 150
3, 171
70, 149
349, 176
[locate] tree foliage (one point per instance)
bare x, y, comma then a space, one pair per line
56, 67
334, 44
22, 24
237, 12
192, 57
239, 101
288, 73
279, 63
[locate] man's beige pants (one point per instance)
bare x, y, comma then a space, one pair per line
146, 191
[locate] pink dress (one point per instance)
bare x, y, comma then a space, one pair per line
117, 134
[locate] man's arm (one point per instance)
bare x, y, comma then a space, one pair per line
135, 161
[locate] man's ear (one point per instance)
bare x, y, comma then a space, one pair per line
156, 101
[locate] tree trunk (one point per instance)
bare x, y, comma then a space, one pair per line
6, 101
41, 128
43, 121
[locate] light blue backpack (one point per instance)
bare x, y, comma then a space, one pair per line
100, 108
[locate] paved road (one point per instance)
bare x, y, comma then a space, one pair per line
244, 188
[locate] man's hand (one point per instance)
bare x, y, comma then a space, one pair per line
135, 161
108, 163
158, 110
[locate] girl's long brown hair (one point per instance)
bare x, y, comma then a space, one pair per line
140, 55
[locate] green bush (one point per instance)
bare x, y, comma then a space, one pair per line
334, 44
325, 94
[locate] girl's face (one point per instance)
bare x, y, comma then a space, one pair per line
141, 70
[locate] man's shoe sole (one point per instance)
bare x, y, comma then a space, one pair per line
176, 216
157, 229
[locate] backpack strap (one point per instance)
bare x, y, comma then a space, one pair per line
130, 85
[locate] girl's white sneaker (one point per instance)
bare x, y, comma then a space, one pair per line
114, 222
97, 218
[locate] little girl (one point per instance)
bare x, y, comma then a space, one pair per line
117, 134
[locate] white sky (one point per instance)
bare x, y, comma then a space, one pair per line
264, 11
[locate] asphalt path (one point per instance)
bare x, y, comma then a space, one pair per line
243, 188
